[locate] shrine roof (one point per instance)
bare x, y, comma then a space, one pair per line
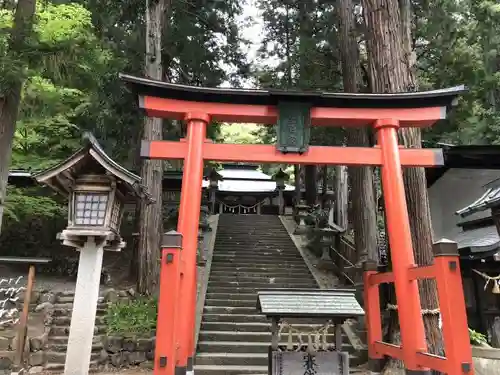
478, 240
434, 98
491, 198
245, 179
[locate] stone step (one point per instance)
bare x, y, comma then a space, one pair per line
63, 340
69, 297
220, 267
100, 312
233, 264
246, 347
250, 290
229, 370
247, 256
255, 326
252, 278
62, 347
224, 309
234, 318
231, 359
248, 297
59, 367
234, 336
254, 245
258, 273
60, 357
64, 330
66, 320
257, 261
214, 302
263, 284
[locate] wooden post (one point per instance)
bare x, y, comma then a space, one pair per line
23, 322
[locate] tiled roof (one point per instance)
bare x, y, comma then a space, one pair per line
302, 303
488, 200
479, 240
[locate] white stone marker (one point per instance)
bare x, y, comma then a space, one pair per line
81, 332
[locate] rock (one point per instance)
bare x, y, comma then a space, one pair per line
134, 358
5, 363
4, 343
153, 343
103, 357
113, 344
35, 370
129, 344
118, 359
37, 359
39, 342
150, 355
44, 306
144, 345
48, 297
111, 295
35, 296
146, 365
131, 292
483, 366
123, 293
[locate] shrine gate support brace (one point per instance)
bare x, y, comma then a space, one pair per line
175, 333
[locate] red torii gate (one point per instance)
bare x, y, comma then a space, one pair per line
198, 106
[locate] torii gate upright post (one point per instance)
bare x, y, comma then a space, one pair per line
295, 112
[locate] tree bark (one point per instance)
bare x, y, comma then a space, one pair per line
10, 99
151, 216
391, 70
311, 184
364, 213
341, 196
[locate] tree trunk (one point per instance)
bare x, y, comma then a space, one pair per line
10, 99
391, 71
341, 196
364, 213
311, 184
151, 217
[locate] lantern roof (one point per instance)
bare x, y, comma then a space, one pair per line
150, 87
90, 159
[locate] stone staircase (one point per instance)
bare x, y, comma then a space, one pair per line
57, 342
251, 252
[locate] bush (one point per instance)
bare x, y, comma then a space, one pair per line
136, 317
477, 338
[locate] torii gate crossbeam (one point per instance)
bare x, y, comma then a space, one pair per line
386, 113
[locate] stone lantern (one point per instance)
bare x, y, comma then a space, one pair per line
213, 177
97, 189
280, 177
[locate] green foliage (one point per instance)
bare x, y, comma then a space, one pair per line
477, 338
137, 317
24, 204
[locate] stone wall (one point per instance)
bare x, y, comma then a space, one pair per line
38, 331
121, 351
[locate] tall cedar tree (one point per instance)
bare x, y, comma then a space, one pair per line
11, 84
151, 214
364, 218
391, 70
